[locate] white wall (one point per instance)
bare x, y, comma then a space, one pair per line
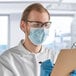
73, 31
14, 29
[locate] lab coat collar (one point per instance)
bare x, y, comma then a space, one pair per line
25, 51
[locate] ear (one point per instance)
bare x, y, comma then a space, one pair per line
23, 26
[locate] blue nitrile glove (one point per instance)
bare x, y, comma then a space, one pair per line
73, 73
46, 68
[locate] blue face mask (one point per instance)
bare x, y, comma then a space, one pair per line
38, 35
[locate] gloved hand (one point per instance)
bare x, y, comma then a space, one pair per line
46, 68
73, 73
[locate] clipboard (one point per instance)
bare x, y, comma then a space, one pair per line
65, 63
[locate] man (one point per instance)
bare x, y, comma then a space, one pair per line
30, 58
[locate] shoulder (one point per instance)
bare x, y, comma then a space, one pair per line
6, 57
6, 60
9, 51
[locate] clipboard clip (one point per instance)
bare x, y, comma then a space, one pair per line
73, 45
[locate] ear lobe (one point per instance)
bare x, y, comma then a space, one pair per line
23, 26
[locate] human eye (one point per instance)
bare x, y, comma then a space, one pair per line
47, 25
34, 24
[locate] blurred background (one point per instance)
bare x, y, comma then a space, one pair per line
62, 31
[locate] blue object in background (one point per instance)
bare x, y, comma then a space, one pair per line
3, 48
46, 68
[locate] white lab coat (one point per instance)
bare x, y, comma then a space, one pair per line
18, 61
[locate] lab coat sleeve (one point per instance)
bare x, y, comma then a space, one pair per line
5, 67
1, 71
4, 71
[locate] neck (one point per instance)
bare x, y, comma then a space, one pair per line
31, 47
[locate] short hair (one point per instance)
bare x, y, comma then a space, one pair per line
37, 7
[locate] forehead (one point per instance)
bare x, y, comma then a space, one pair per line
38, 16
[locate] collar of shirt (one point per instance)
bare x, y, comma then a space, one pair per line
24, 51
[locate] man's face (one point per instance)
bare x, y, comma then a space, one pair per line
36, 27
38, 17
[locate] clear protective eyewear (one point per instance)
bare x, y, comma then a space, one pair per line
38, 24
